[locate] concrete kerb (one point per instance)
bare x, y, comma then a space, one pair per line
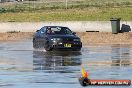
77, 26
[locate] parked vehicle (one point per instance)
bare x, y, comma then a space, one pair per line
56, 37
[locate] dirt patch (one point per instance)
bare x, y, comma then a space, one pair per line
105, 38
86, 37
16, 36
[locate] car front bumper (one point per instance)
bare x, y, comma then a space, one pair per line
66, 45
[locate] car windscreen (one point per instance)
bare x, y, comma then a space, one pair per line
60, 30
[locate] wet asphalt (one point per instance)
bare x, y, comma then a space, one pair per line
21, 66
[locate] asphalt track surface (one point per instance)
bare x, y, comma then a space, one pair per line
21, 66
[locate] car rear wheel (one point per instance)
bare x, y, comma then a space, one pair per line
38, 43
35, 44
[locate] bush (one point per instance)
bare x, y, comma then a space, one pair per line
2, 10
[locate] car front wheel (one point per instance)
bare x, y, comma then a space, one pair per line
48, 47
79, 49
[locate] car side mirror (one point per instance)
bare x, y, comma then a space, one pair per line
37, 30
74, 33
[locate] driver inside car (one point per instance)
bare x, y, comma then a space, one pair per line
49, 31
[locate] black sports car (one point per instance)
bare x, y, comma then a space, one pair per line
56, 37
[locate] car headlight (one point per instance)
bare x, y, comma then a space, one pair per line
77, 40
55, 39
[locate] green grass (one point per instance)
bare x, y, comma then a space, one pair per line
83, 10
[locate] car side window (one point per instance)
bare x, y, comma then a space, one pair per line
42, 31
37, 34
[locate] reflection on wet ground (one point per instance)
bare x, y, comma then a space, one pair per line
55, 61
121, 56
22, 66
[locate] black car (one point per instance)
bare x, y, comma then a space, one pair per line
56, 37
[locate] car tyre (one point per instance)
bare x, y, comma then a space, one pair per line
38, 43
35, 44
48, 47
